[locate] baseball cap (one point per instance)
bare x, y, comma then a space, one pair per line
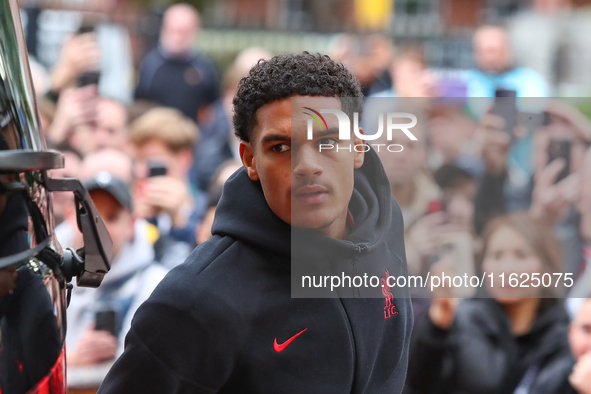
114, 186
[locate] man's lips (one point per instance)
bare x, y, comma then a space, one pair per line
308, 190
311, 194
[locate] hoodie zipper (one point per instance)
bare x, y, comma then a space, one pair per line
358, 250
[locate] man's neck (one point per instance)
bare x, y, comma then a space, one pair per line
403, 193
339, 229
496, 72
186, 56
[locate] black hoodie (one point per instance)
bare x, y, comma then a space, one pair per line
224, 321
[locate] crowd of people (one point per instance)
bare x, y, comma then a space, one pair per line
476, 190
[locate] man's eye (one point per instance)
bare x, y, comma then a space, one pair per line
280, 148
328, 141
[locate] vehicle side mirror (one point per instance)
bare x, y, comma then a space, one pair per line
93, 261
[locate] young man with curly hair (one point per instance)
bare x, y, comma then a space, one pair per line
225, 320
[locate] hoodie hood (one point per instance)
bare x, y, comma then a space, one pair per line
243, 214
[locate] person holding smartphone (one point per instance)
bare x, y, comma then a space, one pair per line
162, 140
550, 196
495, 67
98, 320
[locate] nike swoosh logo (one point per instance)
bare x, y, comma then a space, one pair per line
279, 348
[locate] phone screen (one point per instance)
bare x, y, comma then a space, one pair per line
89, 78
106, 321
157, 169
506, 108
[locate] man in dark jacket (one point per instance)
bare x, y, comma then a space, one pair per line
173, 74
225, 320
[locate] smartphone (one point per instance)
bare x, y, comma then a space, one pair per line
560, 149
105, 320
89, 78
86, 28
157, 168
505, 107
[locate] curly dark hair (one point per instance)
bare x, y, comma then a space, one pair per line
288, 75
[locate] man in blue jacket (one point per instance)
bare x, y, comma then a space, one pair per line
225, 320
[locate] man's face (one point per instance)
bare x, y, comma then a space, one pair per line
303, 186
119, 221
178, 31
492, 51
108, 131
580, 331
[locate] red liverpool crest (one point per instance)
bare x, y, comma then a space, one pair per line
389, 308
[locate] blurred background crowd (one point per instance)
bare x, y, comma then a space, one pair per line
138, 97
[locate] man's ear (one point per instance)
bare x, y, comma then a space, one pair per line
248, 160
360, 151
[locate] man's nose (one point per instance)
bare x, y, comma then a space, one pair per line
305, 163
